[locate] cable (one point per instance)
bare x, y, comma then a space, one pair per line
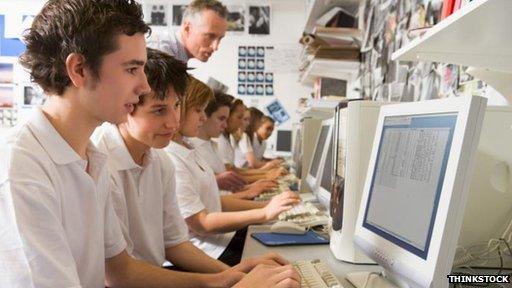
369, 276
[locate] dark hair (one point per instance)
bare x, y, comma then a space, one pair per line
234, 103
254, 122
219, 99
198, 6
163, 72
86, 27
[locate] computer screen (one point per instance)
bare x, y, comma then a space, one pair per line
408, 178
284, 141
325, 182
317, 156
416, 187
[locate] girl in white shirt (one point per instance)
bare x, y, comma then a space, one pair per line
226, 146
211, 218
253, 147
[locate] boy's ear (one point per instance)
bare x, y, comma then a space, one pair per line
76, 69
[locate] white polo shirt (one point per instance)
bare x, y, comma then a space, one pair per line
208, 150
197, 189
226, 147
144, 198
57, 221
243, 147
258, 148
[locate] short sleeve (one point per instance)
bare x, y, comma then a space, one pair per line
189, 199
114, 239
175, 229
27, 255
118, 200
244, 144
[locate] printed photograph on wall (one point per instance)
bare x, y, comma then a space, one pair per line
236, 18
157, 12
6, 96
6, 72
277, 112
33, 96
177, 14
259, 20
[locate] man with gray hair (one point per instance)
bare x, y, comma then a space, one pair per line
204, 24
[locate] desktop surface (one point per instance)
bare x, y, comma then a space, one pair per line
303, 252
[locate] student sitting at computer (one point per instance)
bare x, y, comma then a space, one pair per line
217, 112
142, 176
212, 218
249, 150
227, 145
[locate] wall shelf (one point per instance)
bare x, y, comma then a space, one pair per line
337, 69
317, 8
478, 35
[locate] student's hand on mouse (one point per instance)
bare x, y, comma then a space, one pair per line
279, 204
270, 276
272, 259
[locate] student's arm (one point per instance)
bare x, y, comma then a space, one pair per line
255, 163
231, 204
124, 271
205, 223
191, 258
230, 180
254, 189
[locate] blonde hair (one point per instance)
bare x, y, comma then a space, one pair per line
197, 94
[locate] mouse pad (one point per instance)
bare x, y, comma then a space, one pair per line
274, 239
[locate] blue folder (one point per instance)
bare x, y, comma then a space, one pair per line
275, 239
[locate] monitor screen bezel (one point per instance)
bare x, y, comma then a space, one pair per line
399, 262
314, 181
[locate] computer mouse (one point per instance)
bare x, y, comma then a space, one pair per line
285, 227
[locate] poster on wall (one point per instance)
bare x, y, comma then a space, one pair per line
236, 18
259, 20
253, 77
157, 12
277, 112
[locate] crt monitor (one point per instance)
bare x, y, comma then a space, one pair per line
284, 142
297, 151
415, 190
314, 169
324, 189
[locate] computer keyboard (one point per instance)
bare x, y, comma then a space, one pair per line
302, 209
315, 273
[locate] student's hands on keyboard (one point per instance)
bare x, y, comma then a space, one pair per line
279, 204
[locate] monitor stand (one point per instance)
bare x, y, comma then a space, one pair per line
375, 280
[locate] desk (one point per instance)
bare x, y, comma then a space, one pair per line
302, 252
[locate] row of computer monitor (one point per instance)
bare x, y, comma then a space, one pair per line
416, 187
